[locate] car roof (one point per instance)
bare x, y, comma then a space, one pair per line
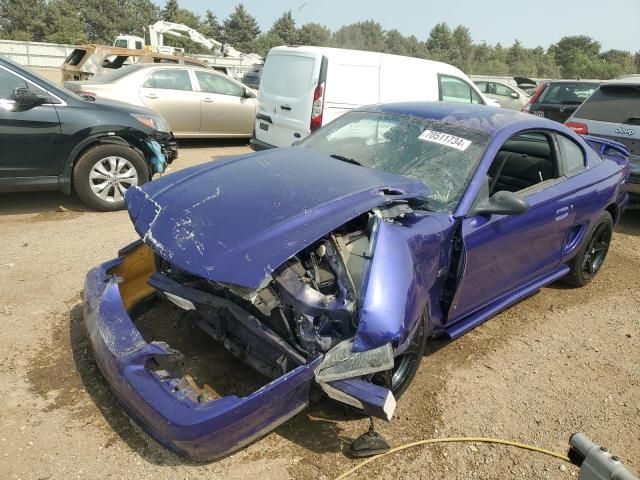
476, 117
632, 81
573, 82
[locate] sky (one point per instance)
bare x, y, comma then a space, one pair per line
614, 23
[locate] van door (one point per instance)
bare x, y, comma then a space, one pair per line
288, 82
353, 80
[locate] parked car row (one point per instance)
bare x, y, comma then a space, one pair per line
301, 89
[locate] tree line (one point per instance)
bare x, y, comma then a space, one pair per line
100, 21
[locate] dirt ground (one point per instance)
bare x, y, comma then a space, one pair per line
559, 362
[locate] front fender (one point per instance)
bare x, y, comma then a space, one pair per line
403, 270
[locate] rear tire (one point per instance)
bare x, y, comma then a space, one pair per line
592, 253
103, 174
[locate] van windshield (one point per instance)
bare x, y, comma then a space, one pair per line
287, 75
441, 155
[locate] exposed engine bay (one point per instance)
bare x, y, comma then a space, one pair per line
311, 301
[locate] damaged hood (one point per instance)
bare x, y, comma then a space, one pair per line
236, 220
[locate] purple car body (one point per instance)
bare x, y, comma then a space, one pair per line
238, 221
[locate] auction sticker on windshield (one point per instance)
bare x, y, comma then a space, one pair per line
445, 139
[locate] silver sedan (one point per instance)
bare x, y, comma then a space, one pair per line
197, 102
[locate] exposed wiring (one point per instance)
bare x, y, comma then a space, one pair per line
454, 440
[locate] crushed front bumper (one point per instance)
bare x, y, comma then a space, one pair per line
200, 431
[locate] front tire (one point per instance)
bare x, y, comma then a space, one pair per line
592, 254
105, 172
406, 365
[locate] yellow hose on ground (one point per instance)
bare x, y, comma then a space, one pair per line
454, 440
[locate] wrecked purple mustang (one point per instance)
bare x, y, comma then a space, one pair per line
330, 263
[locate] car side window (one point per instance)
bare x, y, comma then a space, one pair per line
453, 89
573, 159
483, 86
525, 160
503, 90
9, 82
213, 83
172, 79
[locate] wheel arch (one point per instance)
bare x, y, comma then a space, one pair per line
65, 181
614, 210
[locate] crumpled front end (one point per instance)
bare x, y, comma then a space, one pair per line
145, 376
337, 314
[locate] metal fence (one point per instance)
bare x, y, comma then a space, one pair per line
36, 54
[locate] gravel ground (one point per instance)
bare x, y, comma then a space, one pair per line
559, 362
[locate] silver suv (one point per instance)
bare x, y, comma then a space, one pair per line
613, 111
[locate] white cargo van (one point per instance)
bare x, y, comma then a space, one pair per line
303, 88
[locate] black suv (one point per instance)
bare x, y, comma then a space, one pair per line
557, 100
53, 139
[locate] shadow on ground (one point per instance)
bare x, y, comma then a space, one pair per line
39, 202
193, 143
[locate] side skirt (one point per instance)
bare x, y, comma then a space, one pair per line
469, 322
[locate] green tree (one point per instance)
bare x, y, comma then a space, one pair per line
211, 27
241, 29
620, 61
576, 56
265, 42
367, 35
139, 15
65, 22
285, 28
439, 42
314, 34
461, 49
23, 19
396, 43
170, 11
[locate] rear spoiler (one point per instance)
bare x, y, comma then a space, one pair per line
601, 145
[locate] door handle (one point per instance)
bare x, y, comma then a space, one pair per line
151, 95
562, 213
208, 100
285, 107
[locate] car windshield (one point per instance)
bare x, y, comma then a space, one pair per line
441, 155
567, 93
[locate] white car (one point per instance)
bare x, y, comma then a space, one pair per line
508, 96
303, 88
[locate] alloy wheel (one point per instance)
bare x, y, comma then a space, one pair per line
596, 250
110, 178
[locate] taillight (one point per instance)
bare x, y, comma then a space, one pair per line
579, 128
317, 107
534, 97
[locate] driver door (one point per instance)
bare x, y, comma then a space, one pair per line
504, 252
27, 138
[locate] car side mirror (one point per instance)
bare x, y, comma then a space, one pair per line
502, 203
248, 93
515, 95
25, 99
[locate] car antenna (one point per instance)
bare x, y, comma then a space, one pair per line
369, 443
